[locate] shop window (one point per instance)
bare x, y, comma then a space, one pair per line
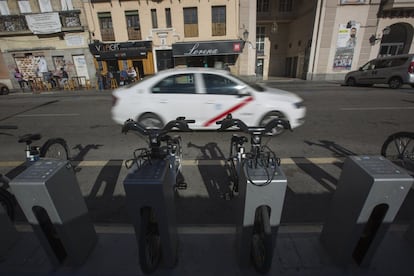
154, 18
45, 6
216, 84
105, 24
260, 39
24, 6
262, 5
177, 84
218, 20
168, 18
285, 5
133, 25
190, 22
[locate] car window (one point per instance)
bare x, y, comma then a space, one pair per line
176, 84
216, 84
398, 61
369, 65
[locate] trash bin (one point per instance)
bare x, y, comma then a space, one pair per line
249, 199
153, 186
51, 200
8, 234
370, 192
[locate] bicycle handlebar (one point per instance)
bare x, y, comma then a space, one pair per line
180, 123
229, 122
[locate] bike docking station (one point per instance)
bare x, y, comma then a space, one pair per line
50, 198
370, 191
258, 189
8, 233
150, 187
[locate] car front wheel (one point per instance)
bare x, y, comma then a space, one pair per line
4, 90
150, 120
351, 82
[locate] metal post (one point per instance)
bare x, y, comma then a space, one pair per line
250, 198
370, 192
152, 186
51, 200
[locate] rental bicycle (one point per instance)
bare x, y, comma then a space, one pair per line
399, 149
53, 148
161, 147
260, 158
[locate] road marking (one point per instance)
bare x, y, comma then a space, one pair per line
194, 162
50, 115
376, 108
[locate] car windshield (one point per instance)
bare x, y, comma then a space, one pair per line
253, 85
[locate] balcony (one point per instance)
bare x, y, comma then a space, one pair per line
134, 33
14, 25
108, 34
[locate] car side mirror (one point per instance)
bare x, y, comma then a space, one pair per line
360, 69
243, 93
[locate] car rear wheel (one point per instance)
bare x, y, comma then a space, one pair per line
150, 120
351, 82
395, 83
4, 90
270, 116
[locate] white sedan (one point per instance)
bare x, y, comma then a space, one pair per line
205, 95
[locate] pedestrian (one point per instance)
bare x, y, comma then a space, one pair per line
19, 77
132, 74
65, 76
100, 79
109, 77
123, 77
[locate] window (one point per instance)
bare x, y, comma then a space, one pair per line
66, 5
154, 18
168, 17
262, 5
260, 39
177, 84
4, 8
24, 6
285, 5
218, 20
105, 24
190, 22
133, 26
45, 6
216, 84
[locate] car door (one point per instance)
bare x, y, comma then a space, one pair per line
367, 73
175, 96
222, 95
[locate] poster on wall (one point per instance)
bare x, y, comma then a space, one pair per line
353, 2
44, 23
345, 44
81, 68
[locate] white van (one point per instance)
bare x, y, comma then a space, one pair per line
392, 70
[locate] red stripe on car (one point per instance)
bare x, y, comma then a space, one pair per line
231, 110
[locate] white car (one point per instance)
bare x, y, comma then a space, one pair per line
205, 95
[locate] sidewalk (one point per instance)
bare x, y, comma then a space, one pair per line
209, 250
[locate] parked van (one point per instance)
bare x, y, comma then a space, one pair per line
392, 70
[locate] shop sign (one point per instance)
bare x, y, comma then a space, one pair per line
209, 48
120, 50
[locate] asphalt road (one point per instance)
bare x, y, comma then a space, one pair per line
340, 121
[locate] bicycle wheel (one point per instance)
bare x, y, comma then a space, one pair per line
8, 202
399, 149
149, 242
262, 247
55, 148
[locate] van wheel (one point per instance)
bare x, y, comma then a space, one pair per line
395, 83
351, 82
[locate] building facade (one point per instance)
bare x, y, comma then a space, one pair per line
308, 39
42, 36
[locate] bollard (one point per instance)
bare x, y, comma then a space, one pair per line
51, 200
369, 194
250, 198
151, 186
8, 234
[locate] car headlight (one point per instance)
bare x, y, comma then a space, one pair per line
299, 104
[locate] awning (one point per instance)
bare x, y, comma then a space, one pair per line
207, 48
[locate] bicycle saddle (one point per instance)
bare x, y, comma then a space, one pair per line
28, 138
